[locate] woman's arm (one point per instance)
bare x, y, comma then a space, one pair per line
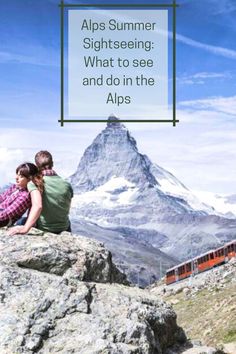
35, 211
15, 209
5, 194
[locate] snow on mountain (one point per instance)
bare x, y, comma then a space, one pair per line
223, 204
119, 189
170, 185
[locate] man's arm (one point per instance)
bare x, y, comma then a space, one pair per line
35, 211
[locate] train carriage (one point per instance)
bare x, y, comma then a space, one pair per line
201, 263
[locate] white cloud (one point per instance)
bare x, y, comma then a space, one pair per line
223, 6
219, 104
9, 160
215, 7
34, 55
225, 52
67, 145
200, 150
216, 50
38, 55
211, 75
203, 77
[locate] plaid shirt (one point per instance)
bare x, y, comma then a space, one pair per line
13, 204
48, 173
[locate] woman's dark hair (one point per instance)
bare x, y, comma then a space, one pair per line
31, 171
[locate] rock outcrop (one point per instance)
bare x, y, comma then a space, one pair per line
63, 255
63, 294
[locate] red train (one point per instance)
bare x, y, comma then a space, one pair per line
201, 263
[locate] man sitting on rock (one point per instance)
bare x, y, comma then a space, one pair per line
56, 198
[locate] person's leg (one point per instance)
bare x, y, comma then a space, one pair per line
21, 221
69, 228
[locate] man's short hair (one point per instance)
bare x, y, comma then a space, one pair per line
43, 160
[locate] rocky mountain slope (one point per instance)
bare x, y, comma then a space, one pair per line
142, 262
63, 294
205, 305
120, 191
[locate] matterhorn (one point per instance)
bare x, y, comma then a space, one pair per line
145, 215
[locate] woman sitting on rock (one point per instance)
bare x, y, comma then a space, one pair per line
16, 200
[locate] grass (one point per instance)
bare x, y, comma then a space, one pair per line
230, 336
208, 316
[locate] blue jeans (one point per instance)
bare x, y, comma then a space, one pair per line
21, 221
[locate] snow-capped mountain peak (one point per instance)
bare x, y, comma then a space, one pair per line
113, 152
120, 192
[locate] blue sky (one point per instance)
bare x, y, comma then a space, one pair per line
204, 142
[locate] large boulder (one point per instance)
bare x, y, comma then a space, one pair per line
60, 294
63, 255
